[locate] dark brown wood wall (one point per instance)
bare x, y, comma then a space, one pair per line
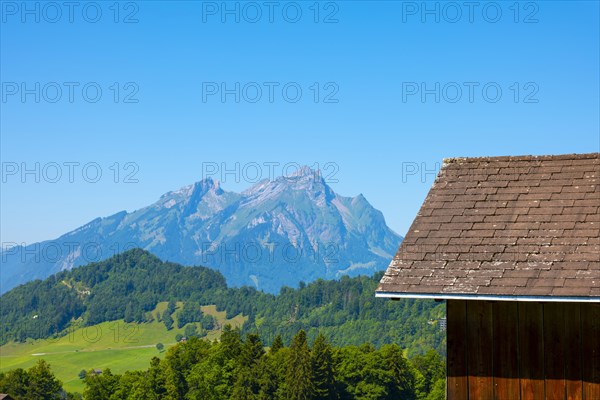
501, 350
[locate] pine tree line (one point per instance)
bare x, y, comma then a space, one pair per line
241, 368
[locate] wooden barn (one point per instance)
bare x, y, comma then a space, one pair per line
513, 246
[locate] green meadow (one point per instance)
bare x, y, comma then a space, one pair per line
116, 345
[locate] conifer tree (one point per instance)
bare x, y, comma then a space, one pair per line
42, 382
322, 369
277, 344
252, 351
299, 373
129, 313
231, 342
168, 320
247, 384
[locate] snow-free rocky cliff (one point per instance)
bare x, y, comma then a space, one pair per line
275, 233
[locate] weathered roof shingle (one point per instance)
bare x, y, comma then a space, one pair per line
509, 227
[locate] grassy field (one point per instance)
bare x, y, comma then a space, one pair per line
117, 345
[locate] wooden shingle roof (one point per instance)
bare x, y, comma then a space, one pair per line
514, 228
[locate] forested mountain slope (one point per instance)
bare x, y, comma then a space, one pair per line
129, 286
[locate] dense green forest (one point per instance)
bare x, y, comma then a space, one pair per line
129, 285
237, 367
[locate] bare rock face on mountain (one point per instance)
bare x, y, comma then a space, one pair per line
276, 233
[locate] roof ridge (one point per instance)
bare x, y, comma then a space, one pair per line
572, 156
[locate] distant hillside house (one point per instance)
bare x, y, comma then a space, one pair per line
4, 396
513, 245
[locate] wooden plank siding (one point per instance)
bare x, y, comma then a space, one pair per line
573, 353
590, 331
531, 337
554, 351
479, 356
457, 360
523, 350
506, 348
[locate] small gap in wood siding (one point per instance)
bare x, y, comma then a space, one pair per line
565, 349
492, 329
581, 351
467, 349
544, 346
519, 369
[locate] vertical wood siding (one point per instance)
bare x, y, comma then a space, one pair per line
523, 350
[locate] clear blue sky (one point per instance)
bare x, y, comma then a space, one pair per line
375, 57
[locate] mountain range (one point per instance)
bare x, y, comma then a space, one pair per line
278, 232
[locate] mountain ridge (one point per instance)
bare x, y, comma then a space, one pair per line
277, 232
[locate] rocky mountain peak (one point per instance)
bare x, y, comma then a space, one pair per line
293, 228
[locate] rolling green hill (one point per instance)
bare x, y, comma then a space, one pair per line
136, 296
116, 344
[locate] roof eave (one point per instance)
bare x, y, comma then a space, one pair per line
486, 297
